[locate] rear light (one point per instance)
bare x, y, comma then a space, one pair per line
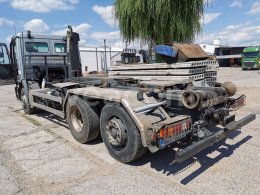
175, 129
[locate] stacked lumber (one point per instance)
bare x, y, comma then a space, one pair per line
205, 70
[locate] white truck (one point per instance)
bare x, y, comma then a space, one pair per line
130, 116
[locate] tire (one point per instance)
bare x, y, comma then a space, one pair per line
82, 119
130, 147
25, 104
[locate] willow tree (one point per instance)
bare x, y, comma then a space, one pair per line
159, 21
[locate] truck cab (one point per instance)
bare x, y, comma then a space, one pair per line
251, 58
40, 60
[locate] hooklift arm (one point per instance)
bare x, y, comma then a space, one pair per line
197, 147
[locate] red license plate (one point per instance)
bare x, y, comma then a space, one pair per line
238, 103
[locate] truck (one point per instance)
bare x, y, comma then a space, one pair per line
5, 67
130, 116
251, 58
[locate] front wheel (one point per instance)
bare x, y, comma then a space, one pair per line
120, 135
25, 103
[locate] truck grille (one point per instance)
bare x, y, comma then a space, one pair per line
249, 64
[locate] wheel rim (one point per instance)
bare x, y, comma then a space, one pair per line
117, 132
76, 119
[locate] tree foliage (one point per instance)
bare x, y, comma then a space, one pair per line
159, 21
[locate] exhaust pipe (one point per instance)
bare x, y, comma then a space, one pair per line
190, 99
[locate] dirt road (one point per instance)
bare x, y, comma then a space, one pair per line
39, 156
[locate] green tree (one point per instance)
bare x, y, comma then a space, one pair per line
159, 21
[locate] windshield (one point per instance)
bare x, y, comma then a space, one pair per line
250, 54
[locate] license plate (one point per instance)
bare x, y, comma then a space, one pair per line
215, 101
238, 103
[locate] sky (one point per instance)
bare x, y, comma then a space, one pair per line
234, 22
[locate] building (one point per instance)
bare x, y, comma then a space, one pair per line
226, 55
96, 59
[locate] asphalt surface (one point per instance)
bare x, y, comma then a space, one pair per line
39, 156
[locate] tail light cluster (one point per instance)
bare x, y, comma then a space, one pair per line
175, 130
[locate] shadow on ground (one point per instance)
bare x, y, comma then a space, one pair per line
51, 117
62, 122
163, 160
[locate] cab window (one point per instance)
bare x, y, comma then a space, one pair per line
250, 54
37, 47
60, 47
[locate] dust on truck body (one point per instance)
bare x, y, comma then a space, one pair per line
130, 116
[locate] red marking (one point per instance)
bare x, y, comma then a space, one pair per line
154, 137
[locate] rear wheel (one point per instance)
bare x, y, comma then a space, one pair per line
82, 119
25, 103
120, 134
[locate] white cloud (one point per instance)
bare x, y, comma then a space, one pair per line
210, 17
236, 3
106, 13
241, 34
82, 29
4, 21
120, 45
100, 36
113, 40
208, 2
255, 9
36, 26
43, 6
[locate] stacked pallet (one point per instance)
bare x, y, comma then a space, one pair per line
205, 70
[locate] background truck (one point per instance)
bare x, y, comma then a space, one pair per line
251, 58
6, 76
130, 116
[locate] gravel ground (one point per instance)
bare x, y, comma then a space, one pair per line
39, 156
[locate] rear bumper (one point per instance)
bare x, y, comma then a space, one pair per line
197, 147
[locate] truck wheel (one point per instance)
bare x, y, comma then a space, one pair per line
82, 119
120, 134
25, 104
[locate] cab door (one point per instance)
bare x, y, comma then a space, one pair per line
6, 75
